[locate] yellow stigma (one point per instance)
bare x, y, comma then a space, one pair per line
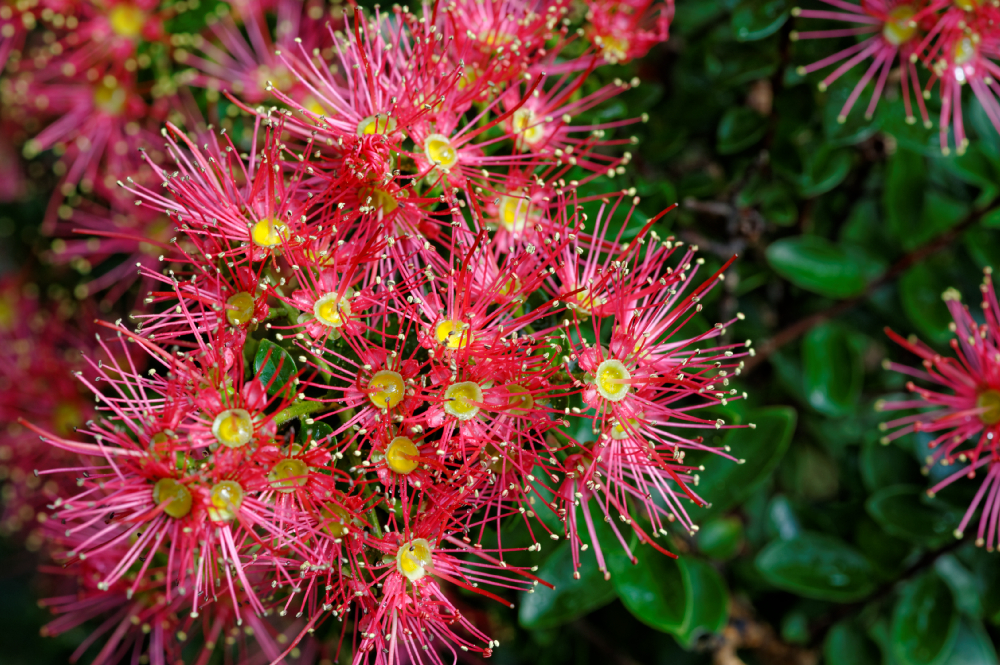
898, 29
453, 334
965, 49
614, 49
379, 123
462, 400
335, 520
174, 497
240, 308
268, 232
401, 455
611, 380
288, 474
378, 199
966, 5
224, 500
582, 302
110, 97
989, 399
530, 131
513, 213
440, 152
126, 20
332, 310
233, 428
620, 431
519, 400
413, 559
386, 389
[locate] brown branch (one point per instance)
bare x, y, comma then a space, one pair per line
802, 326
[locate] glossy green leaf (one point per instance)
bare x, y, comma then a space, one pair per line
756, 20
315, 432
818, 566
721, 538
571, 598
821, 266
824, 171
833, 369
972, 645
847, 644
762, 447
888, 464
903, 196
707, 608
272, 361
924, 622
740, 128
905, 512
652, 590
920, 290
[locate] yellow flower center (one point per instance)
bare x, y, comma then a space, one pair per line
379, 123
173, 496
110, 97
514, 213
619, 431
965, 48
582, 302
401, 455
612, 380
462, 400
379, 199
453, 334
990, 401
529, 130
898, 29
288, 474
224, 500
519, 400
240, 308
966, 5
268, 232
126, 20
440, 152
332, 310
336, 520
413, 558
233, 428
386, 389
614, 49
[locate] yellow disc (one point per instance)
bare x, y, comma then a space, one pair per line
240, 308
462, 400
224, 500
413, 558
268, 232
386, 389
176, 497
288, 474
440, 151
401, 455
233, 428
611, 380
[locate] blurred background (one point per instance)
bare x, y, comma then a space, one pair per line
823, 547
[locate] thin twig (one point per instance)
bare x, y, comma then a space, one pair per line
802, 326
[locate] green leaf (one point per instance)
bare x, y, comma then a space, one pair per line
824, 170
920, 290
833, 370
818, 265
571, 598
724, 483
652, 590
847, 644
273, 361
756, 20
721, 538
707, 606
972, 645
318, 432
739, 129
964, 585
903, 196
883, 465
817, 566
924, 622
903, 512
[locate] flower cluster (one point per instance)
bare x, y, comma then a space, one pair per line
382, 324
956, 41
965, 420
